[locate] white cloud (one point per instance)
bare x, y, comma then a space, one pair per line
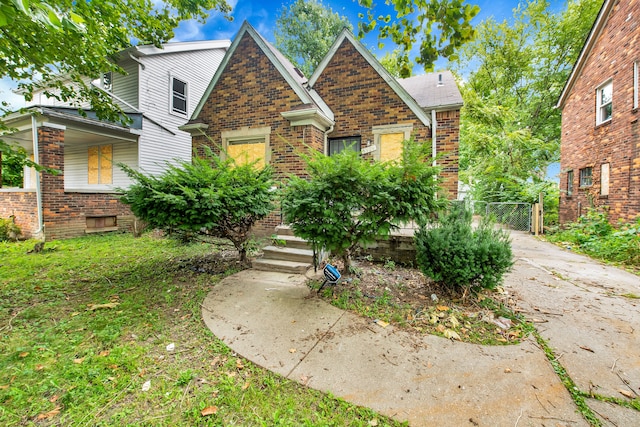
188, 31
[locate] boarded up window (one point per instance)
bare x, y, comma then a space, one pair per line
604, 179
100, 164
248, 151
391, 146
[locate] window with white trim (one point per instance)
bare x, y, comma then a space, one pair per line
107, 81
604, 102
178, 96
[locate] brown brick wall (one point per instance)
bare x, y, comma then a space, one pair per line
361, 99
22, 205
65, 213
616, 142
448, 145
252, 93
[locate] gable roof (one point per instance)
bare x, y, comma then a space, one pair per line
596, 30
431, 91
375, 64
291, 74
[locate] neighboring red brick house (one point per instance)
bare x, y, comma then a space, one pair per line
259, 106
600, 149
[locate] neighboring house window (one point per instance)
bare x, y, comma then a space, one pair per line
586, 178
635, 85
337, 145
570, 183
604, 179
247, 145
178, 96
604, 96
107, 81
100, 164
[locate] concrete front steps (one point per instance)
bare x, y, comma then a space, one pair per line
292, 255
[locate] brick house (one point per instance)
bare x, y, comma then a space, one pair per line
600, 147
158, 92
259, 106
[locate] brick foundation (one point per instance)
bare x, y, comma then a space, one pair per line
23, 205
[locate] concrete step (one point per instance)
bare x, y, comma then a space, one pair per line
288, 254
265, 264
284, 230
292, 242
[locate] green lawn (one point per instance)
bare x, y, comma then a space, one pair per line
84, 329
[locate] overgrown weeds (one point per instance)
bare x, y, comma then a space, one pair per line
107, 330
593, 235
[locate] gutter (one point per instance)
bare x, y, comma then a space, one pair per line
36, 160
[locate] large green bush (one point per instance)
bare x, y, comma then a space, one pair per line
452, 253
348, 201
207, 196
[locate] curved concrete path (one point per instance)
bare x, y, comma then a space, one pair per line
273, 320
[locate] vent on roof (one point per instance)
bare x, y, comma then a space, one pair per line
299, 72
440, 80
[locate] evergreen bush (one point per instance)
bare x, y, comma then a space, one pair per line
454, 254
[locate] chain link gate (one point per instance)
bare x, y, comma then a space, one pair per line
516, 216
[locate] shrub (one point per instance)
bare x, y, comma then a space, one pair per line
455, 255
349, 201
9, 230
207, 196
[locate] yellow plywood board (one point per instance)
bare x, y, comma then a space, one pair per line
391, 146
248, 153
106, 164
93, 164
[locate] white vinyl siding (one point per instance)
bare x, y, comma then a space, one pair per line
125, 87
162, 142
76, 175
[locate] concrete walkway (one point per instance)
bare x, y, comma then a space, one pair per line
273, 320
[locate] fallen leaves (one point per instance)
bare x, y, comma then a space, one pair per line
52, 413
626, 393
146, 386
92, 307
209, 410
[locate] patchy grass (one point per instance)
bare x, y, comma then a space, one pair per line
84, 330
404, 297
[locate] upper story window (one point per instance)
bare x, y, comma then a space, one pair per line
178, 96
604, 98
586, 177
570, 183
337, 145
107, 81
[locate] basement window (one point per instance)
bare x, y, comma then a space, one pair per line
97, 224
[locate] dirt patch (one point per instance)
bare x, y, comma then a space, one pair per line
403, 296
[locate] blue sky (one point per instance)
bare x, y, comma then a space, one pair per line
262, 14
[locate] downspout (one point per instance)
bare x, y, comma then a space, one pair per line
326, 139
433, 136
36, 160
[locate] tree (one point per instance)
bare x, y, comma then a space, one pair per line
349, 201
440, 27
394, 63
60, 45
208, 196
510, 128
305, 30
